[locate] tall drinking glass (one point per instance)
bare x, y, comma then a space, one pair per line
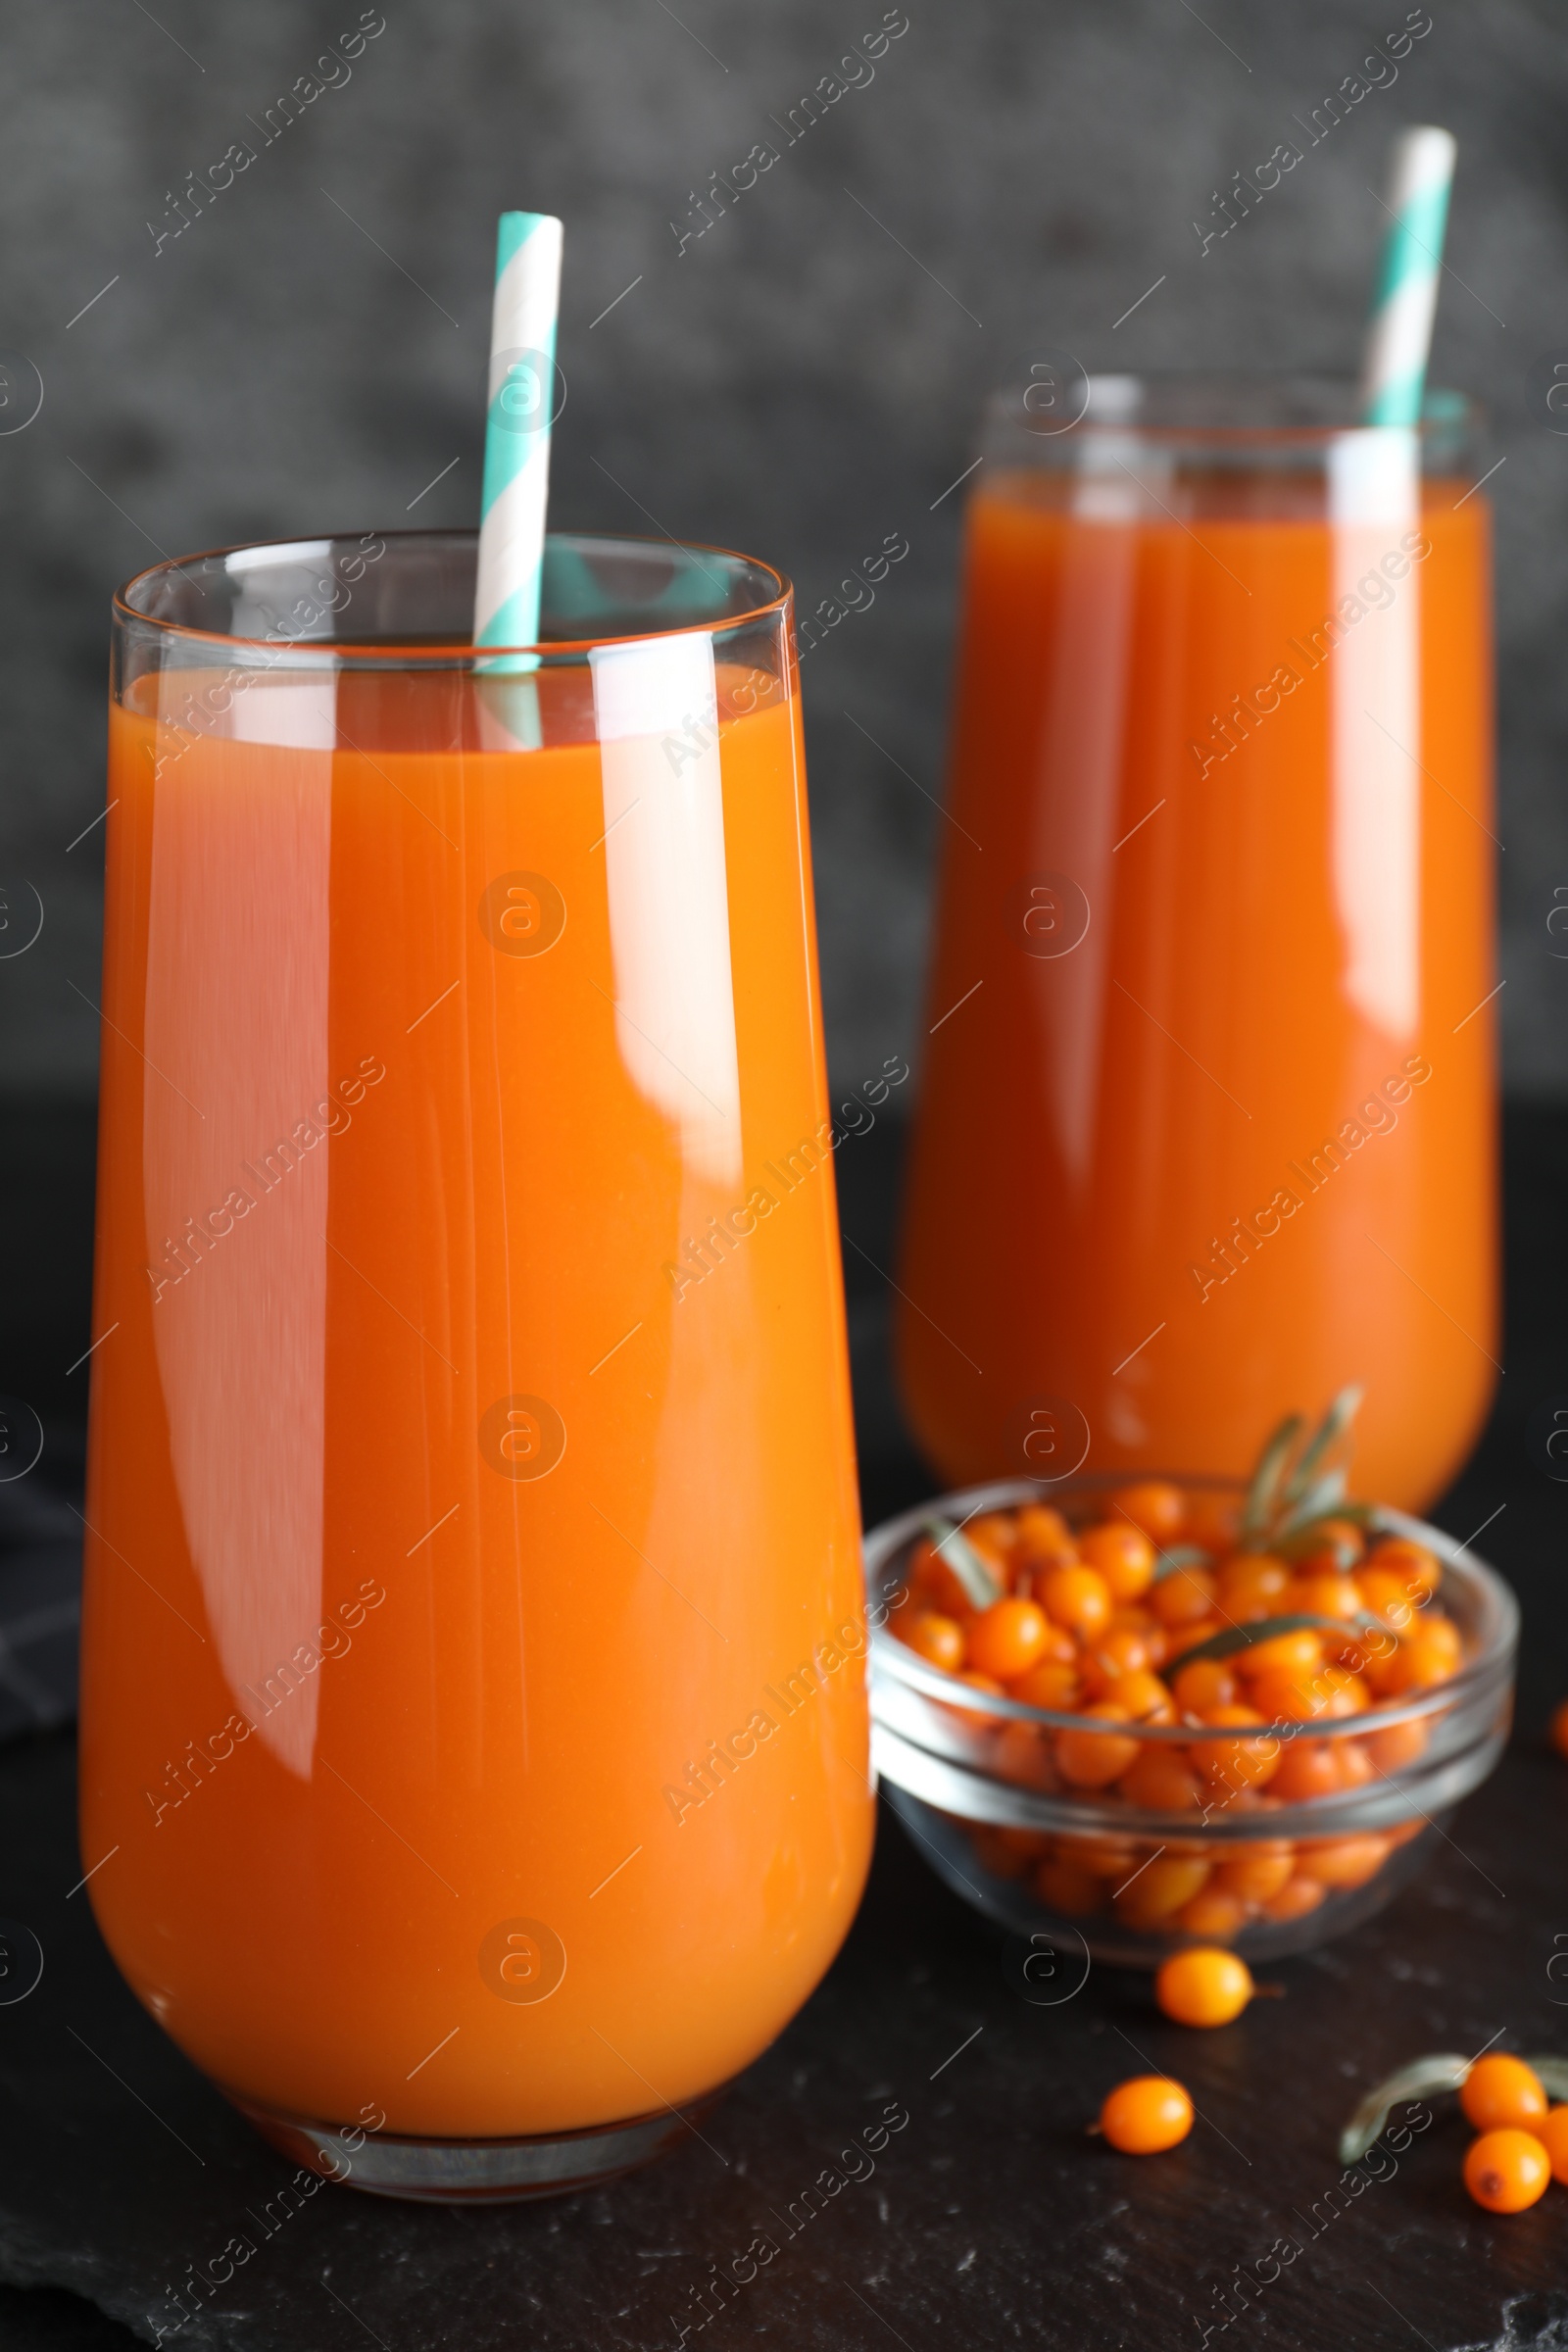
473, 1728
1207, 1122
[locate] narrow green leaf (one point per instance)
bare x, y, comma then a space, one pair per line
980, 1586
1323, 1496
1330, 1430
1420, 2079
1244, 1637
1180, 1555
1553, 2074
1259, 1508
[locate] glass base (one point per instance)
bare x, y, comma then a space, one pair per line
477, 2172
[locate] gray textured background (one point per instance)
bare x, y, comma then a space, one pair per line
800, 382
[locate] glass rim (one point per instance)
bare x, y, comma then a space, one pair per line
402, 655
1168, 405
904, 1665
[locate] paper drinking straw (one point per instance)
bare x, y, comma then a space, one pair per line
1399, 335
516, 437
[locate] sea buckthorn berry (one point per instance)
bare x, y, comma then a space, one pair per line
1344, 1693
1294, 1898
1039, 1528
1068, 1887
1207, 1683
1307, 1768
1077, 1597
1347, 1862
1499, 2089
992, 1532
1298, 1651
936, 1639
1251, 1585
1255, 1874
1160, 1888
1180, 1638
1120, 1649
1183, 1597
1213, 1915
1409, 1561
1008, 1639
1146, 2115
1094, 1760
1415, 1665
1154, 1506
1236, 1763
1203, 1987
1336, 1544
1161, 1779
1388, 1596
1552, 2134
1022, 1754
1142, 1697
1287, 1695
997, 1556
993, 1854
1107, 1857
1123, 1555
1356, 1767
1329, 1595
1401, 1744
1557, 1728
1050, 1684
1506, 2171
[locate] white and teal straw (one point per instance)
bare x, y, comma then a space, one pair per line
1399, 335
516, 438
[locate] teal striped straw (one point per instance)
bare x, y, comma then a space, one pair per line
1398, 338
516, 438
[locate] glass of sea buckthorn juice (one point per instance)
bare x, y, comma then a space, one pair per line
1208, 1106
473, 1724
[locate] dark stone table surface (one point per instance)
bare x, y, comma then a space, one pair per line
989, 2218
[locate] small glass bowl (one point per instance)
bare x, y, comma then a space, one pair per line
972, 1778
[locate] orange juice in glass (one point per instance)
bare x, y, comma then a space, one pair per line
1207, 1117
473, 1720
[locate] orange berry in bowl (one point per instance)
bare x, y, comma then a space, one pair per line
1288, 1694
1021, 1755
1162, 1887
1295, 1899
1123, 1555
1119, 1650
1255, 1874
1207, 1683
1076, 1597
1251, 1586
1501, 2089
1213, 1915
1557, 1728
1146, 2115
1343, 1862
1183, 1597
1180, 1638
1203, 1987
1008, 1639
1307, 1768
1506, 2171
1552, 2134
1051, 1683
1329, 1595
1154, 1506
1388, 1596
1090, 1759
1236, 1763
1161, 1781
1344, 1693
1391, 1750
1038, 1531
1300, 1651
1068, 1887
936, 1638
1409, 1561
1355, 1766
1142, 1697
